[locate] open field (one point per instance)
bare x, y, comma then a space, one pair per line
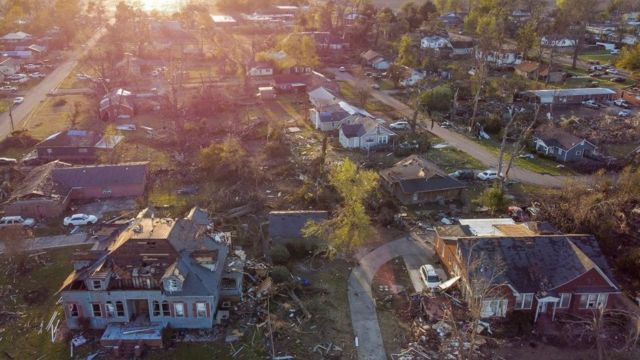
55, 114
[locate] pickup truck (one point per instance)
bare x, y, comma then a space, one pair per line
621, 103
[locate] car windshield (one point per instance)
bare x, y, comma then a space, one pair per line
78, 217
433, 278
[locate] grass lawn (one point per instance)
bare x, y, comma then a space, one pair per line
54, 114
197, 73
19, 338
451, 159
4, 105
619, 150
604, 58
197, 351
537, 164
348, 92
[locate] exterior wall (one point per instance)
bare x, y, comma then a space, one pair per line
66, 153
425, 197
260, 72
42, 208
574, 154
132, 190
590, 279
347, 143
84, 300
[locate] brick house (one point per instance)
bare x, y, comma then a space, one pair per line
70, 145
414, 180
543, 273
158, 272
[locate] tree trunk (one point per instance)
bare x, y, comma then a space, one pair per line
518, 147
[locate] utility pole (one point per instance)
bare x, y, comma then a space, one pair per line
11, 118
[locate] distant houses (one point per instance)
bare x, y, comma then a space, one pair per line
375, 60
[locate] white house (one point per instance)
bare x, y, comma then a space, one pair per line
412, 77
434, 42
320, 97
260, 68
19, 36
505, 58
559, 42
328, 118
361, 132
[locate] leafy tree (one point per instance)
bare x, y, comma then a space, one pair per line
350, 225
436, 99
406, 52
384, 19
574, 15
301, 49
280, 274
229, 158
395, 74
629, 58
527, 38
494, 199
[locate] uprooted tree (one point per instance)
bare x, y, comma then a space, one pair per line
350, 225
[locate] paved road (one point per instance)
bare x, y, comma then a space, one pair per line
461, 142
53, 242
38, 93
364, 318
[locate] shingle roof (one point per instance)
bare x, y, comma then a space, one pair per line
333, 116
100, 175
415, 174
369, 55
537, 263
289, 224
70, 138
553, 136
357, 125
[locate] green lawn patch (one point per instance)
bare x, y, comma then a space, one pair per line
348, 92
538, 164
603, 58
19, 337
54, 114
451, 159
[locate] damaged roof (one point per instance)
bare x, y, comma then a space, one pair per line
415, 174
537, 263
70, 138
557, 137
100, 175
289, 224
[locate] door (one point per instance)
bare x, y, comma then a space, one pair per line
138, 310
542, 307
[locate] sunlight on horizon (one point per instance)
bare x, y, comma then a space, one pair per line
160, 5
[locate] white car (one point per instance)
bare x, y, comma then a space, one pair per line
80, 219
429, 276
14, 221
18, 100
488, 175
342, 69
36, 75
621, 103
612, 71
624, 113
399, 125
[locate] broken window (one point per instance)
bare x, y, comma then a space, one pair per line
74, 311
524, 301
565, 299
97, 310
97, 284
593, 301
156, 308
179, 309
497, 307
119, 309
201, 310
165, 308
111, 310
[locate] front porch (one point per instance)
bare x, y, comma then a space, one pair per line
124, 336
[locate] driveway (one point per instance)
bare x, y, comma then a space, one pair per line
364, 318
38, 93
461, 142
53, 242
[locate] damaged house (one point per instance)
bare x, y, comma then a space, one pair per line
159, 272
526, 268
414, 180
561, 145
48, 189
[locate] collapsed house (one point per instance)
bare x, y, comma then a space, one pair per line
48, 189
159, 272
414, 180
526, 267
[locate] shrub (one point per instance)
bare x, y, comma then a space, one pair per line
279, 254
280, 274
493, 198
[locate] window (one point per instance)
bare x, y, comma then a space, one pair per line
97, 310
172, 285
165, 309
97, 284
565, 300
593, 301
111, 310
74, 311
524, 301
201, 310
579, 153
179, 309
156, 308
119, 309
497, 307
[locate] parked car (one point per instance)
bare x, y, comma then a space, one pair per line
591, 104
464, 174
37, 74
446, 125
488, 175
16, 221
596, 74
399, 125
80, 219
614, 51
18, 100
621, 103
618, 79
429, 276
375, 86
9, 88
342, 69
624, 113
188, 190
612, 71
7, 161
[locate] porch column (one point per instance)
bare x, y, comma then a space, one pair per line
553, 316
537, 309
